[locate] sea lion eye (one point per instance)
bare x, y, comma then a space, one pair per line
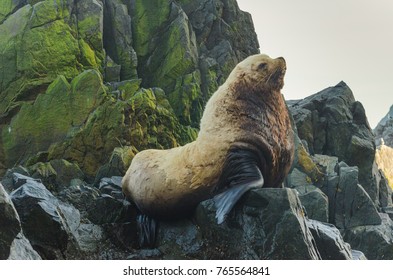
262, 66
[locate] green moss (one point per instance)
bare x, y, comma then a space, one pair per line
186, 99
49, 50
47, 11
53, 116
148, 18
88, 55
307, 166
129, 88
9, 43
6, 8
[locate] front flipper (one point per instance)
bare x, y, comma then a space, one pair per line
241, 173
147, 228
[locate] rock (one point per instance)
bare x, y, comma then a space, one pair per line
146, 120
107, 209
53, 116
118, 163
89, 237
327, 163
167, 50
304, 169
9, 180
268, 224
56, 174
384, 130
220, 28
123, 235
334, 124
81, 196
351, 203
21, 249
112, 71
179, 240
329, 241
315, 202
9, 224
375, 241
118, 38
48, 223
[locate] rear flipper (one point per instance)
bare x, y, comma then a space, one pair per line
147, 229
241, 173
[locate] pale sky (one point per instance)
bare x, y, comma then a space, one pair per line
328, 41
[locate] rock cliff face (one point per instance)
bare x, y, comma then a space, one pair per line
81, 78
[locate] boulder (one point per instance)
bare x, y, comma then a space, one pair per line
352, 206
333, 123
118, 41
21, 249
56, 174
107, 209
10, 225
268, 224
329, 241
53, 116
375, 241
315, 202
180, 240
48, 223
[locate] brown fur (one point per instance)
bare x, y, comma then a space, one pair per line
247, 111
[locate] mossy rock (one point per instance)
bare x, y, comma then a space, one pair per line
145, 120
53, 116
7, 7
148, 18
305, 164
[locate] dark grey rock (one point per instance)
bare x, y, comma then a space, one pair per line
376, 242
384, 190
48, 223
267, 224
327, 163
315, 202
21, 249
106, 209
123, 235
10, 225
8, 180
329, 241
334, 124
81, 196
179, 240
89, 237
352, 205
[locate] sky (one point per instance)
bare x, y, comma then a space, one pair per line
328, 41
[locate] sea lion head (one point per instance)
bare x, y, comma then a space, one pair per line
261, 73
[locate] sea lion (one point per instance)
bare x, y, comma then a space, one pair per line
245, 141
